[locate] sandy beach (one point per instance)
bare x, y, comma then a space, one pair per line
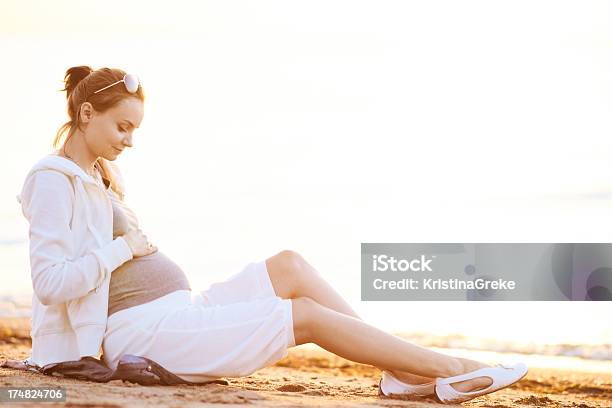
308, 376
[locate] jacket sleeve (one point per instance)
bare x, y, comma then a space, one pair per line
47, 203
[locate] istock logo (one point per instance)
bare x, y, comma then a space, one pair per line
383, 263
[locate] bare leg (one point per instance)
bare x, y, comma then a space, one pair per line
357, 341
292, 277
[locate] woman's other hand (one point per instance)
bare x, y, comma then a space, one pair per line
139, 244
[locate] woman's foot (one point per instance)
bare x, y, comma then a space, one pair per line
473, 384
418, 385
463, 386
408, 378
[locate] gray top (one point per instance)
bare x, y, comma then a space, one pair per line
142, 279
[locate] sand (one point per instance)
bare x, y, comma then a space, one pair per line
307, 377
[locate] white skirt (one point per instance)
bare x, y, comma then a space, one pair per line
231, 329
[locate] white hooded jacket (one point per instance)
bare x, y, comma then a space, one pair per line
72, 256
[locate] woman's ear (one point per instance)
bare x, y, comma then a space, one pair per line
87, 112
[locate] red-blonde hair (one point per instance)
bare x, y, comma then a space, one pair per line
80, 83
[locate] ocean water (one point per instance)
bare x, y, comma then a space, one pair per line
571, 363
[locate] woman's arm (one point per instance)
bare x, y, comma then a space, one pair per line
47, 203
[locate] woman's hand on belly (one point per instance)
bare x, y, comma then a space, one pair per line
139, 243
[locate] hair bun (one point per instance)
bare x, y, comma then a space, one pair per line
73, 76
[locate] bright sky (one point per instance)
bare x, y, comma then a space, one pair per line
316, 126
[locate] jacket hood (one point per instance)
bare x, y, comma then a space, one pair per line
53, 161
79, 179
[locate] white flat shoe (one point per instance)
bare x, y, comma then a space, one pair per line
390, 385
502, 376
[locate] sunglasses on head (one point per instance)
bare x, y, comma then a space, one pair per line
130, 81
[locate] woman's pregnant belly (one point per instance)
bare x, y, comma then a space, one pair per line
143, 279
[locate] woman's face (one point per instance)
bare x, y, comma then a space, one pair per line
108, 133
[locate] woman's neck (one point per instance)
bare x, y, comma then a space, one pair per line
75, 150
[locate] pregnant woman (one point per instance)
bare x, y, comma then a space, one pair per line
99, 282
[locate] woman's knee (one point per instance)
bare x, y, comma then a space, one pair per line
286, 270
292, 260
304, 313
300, 270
